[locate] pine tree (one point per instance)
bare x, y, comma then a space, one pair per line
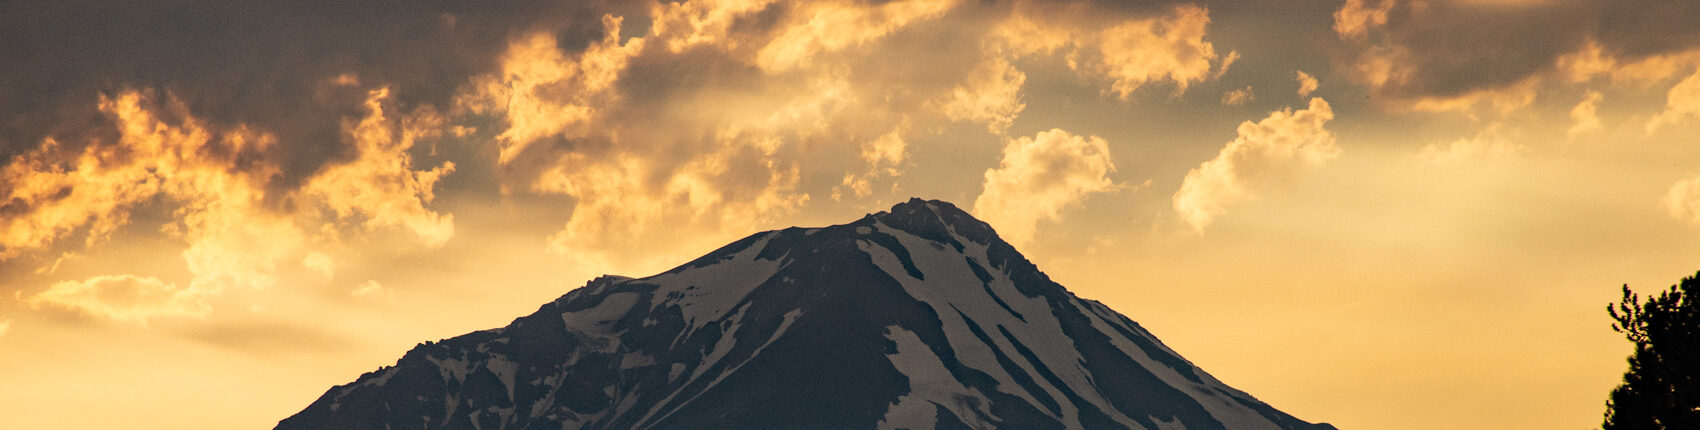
1661, 389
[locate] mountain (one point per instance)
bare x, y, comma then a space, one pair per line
918, 318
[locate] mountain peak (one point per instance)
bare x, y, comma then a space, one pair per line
917, 317
936, 220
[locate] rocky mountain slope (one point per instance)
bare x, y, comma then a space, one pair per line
918, 318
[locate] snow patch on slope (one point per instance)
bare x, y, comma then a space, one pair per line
595, 318
727, 341
929, 382
948, 290
707, 293
505, 370
1212, 394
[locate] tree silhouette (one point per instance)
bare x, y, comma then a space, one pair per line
1661, 389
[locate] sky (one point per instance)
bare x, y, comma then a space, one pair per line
1382, 214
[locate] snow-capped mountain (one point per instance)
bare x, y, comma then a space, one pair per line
917, 318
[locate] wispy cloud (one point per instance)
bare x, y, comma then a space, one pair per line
1238, 97
1491, 143
124, 298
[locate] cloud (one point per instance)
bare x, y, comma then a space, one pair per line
127, 298
5, 326
755, 95
814, 28
255, 128
543, 92
1682, 102
1491, 143
319, 263
266, 335
1173, 48
161, 149
1264, 152
1683, 200
883, 155
1594, 60
584, 127
1039, 177
283, 128
1356, 17
1227, 62
64, 257
380, 183
1238, 97
1455, 54
1129, 53
1307, 84
368, 288
991, 95
253, 64
218, 190
53, 192
1585, 115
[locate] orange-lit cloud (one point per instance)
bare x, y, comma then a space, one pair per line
1456, 55
1129, 55
1681, 103
1238, 97
124, 298
682, 25
64, 257
542, 93
1172, 48
380, 184
826, 27
319, 263
234, 236
883, 156
1307, 84
746, 108
1594, 60
368, 288
1491, 143
1683, 200
1357, 17
1039, 177
1585, 115
1227, 62
991, 95
625, 174
100, 186
50, 194
1264, 151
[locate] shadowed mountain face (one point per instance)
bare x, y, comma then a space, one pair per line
918, 318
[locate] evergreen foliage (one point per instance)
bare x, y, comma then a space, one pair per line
1661, 389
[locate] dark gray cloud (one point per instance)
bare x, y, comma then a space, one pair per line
1641, 28
264, 64
1451, 48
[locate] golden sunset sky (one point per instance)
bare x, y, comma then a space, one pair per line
1382, 214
